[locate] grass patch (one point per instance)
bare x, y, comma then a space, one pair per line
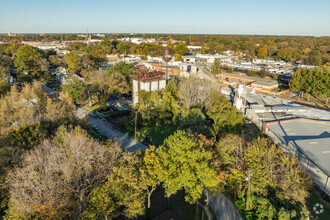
156, 135
93, 108
315, 198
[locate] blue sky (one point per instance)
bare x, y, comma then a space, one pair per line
277, 17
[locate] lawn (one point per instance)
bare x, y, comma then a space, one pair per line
314, 199
156, 135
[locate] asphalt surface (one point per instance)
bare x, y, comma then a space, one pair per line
224, 209
107, 130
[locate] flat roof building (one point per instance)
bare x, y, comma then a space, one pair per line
309, 140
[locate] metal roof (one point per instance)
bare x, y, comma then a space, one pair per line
311, 138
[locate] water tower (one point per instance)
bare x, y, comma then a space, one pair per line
167, 57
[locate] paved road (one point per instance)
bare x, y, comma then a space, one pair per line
224, 209
107, 130
204, 73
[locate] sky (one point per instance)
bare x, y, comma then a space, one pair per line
261, 17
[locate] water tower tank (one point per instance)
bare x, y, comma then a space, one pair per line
167, 54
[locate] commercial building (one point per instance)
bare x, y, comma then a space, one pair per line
261, 85
210, 58
309, 141
300, 131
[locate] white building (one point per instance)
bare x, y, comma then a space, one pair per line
210, 58
147, 81
194, 47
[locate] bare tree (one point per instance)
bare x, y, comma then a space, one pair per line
57, 177
194, 91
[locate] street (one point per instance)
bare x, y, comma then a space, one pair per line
107, 130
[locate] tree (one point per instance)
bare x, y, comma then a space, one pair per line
54, 60
181, 49
193, 92
4, 81
177, 57
123, 47
194, 120
150, 169
126, 186
73, 62
122, 68
28, 60
56, 178
186, 164
30, 105
262, 52
224, 116
216, 66
74, 87
312, 81
230, 151
315, 58
103, 86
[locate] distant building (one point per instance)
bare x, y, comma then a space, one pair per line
189, 59
210, 58
306, 66
261, 85
194, 47
188, 70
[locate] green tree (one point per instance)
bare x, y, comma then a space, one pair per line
73, 62
4, 81
28, 60
123, 47
216, 66
74, 87
315, 58
181, 49
186, 164
225, 117
127, 187
122, 68
150, 170
194, 120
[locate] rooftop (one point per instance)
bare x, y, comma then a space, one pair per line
311, 137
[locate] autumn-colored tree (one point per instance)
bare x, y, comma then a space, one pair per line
262, 52
56, 178
30, 106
